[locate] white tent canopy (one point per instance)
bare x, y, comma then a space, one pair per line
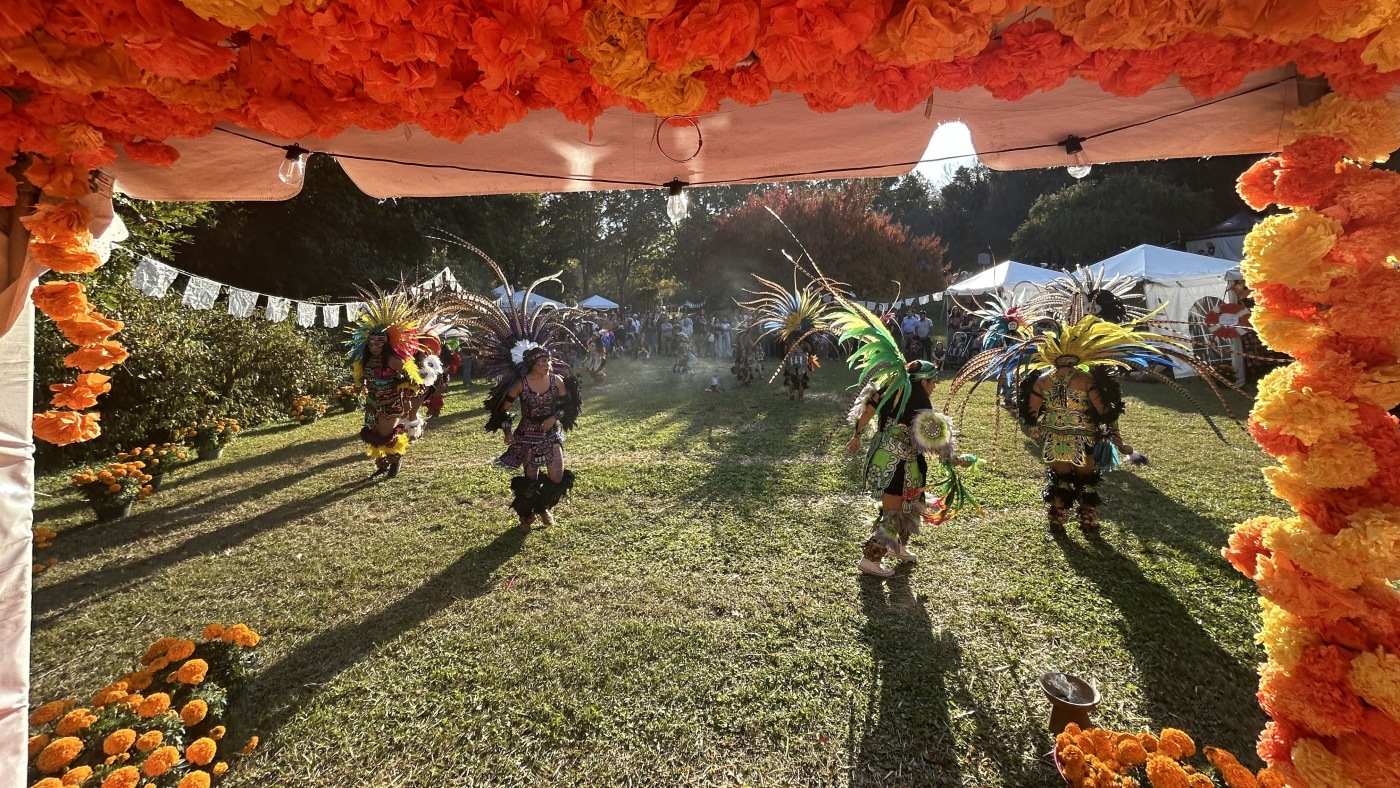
597, 302
1171, 280
1002, 276
536, 300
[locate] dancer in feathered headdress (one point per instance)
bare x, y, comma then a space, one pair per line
799, 322
523, 347
1070, 401
383, 342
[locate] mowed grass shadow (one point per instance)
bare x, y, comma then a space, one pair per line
1187, 679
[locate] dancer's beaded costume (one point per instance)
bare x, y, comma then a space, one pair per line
508, 342
1066, 380
381, 349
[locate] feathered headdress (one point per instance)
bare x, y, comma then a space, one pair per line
1085, 292
791, 316
508, 335
1003, 317
1088, 343
397, 316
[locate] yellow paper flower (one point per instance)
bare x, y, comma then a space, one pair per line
1308, 415
1284, 635
1319, 766
1369, 128
1336, 464
1290, 250
1376, 677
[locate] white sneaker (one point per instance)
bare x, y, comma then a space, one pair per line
874, 568
905, 554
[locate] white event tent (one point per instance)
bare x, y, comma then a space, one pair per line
1002, 277
597, 302
536, 300
1168, 277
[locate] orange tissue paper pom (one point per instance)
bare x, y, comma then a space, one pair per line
62, 427
63, 223
99, 355
60, 299
65, 260
88, 329
65, 181
151, 152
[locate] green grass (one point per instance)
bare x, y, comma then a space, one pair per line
695, 618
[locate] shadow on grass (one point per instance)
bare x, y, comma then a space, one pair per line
97, 537
292, 452
1136, 505
279, 690
1188, 680
907, 736
49, 601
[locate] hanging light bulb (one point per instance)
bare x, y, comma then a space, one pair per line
292, 170
677, 201
1074, 149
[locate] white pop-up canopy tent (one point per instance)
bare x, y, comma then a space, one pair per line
1001, 277
597, 302
536, 300
1168, 277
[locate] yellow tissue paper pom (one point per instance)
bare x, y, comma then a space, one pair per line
1369, 128
1290, 250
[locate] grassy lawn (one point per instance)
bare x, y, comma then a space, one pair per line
695, 617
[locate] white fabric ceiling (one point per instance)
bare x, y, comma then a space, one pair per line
779, 140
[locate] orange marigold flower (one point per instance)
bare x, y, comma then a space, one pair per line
112, 693
62, 427
49, 712
37, 743
77, 776
251, 745
193, 672
58, 754
1175, 744
213, 631
153, 705
160, 761
48, 782
217, 732
74, 721
1236, 776
241, 635
1164, 772
1130, 751
201, 752
125, 777
138, 680
149, 741
194, 712
195, 780
220, 768
180, 649
119, 741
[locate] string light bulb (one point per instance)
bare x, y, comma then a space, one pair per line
677, 201
292, 170
1074, 149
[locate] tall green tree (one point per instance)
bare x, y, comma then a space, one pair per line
1093, 219
636, 241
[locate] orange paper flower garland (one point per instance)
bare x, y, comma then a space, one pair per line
59, 239
1325, 277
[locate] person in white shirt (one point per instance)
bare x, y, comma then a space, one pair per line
922, 331
687, 325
